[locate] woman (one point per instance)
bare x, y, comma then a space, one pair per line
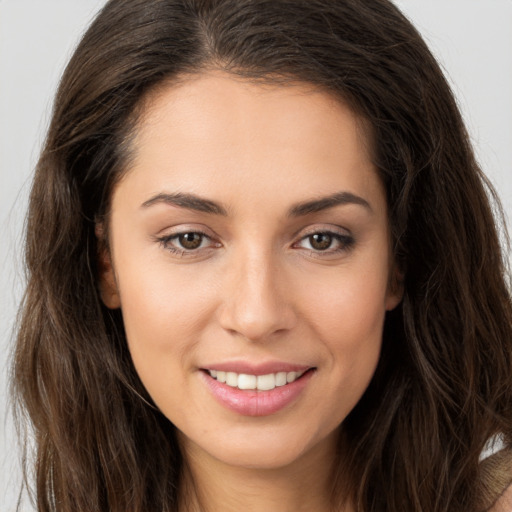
264, 272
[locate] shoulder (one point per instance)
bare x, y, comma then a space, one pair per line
504, 503
496, 480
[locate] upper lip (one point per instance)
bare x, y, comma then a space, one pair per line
256, 369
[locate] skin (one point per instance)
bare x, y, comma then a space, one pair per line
257, 289
504, 504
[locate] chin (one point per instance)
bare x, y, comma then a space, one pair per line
263, 449
260, 458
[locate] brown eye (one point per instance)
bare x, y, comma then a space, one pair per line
326, 243
320, 241
188, 243
190, 240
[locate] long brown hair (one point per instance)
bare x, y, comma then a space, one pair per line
443, 384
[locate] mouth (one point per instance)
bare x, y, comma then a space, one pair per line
267, 382
259, 391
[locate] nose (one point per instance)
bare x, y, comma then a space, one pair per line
256, 299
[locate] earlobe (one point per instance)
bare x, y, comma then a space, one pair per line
107, 284
395, 289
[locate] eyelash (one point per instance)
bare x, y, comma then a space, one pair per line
165, 241
346, 242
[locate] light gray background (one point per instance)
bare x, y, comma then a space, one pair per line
471, 38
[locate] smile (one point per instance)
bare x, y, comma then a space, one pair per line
255, 382
258, 392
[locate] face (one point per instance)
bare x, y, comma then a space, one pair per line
250, 244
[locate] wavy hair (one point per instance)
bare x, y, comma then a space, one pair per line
442, 388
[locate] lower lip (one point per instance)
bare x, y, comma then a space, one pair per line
256, 403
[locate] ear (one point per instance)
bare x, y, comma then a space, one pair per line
395, 290
107, 284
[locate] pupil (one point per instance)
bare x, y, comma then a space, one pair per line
190, 240
320, 241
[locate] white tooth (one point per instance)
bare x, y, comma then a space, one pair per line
280, 378
246, 381
232, 379
266, 382
213, 373
291, 376
221, 376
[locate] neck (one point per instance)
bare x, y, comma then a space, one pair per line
210, 485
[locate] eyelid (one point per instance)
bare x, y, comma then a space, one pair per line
342, 236
178, 229
323, 228
182, 229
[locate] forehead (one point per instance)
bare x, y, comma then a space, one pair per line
215, 135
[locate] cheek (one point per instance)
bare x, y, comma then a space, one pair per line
164, 314
348, 305
347, 313
164, 308
351, 331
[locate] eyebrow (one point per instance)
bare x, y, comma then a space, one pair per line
188, 201
324, 203
197, 203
